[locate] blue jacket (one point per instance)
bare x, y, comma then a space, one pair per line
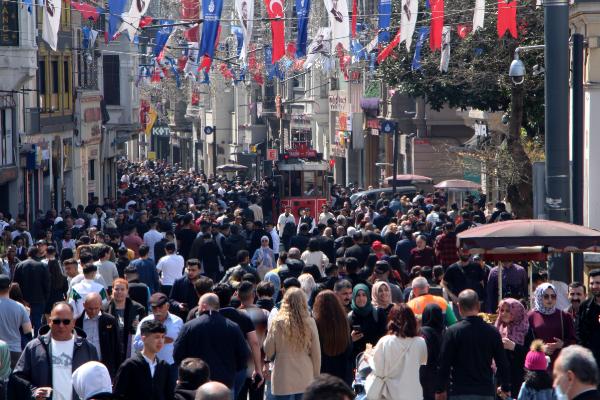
147, 273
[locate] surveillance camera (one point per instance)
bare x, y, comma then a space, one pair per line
517, 71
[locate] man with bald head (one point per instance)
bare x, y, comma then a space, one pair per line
102, 332
213, 391
214, 339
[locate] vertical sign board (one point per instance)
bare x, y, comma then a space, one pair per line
9, 23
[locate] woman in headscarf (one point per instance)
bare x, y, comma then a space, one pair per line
513, 325
381, 296
432, 330
368, 323
549, 324
264, 258
293, 345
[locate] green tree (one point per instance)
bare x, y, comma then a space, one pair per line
478, 77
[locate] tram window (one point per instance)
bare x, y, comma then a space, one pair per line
313, 183
295, 184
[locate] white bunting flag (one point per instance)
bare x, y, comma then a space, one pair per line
131, 19
408, 21
245, 13
337, 10
320, 45
191, 67
478, 15
445, 59
52, 10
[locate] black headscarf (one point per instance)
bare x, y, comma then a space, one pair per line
433, 317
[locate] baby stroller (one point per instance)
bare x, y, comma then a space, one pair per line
363, 369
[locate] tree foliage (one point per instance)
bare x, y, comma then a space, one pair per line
478, 71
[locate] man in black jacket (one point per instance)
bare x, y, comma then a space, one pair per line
588, 324
214, 339
38, 373
293, 265
183, 295
102, 330
34, 279
468, 349
144, 376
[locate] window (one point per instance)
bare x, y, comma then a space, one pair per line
111, 80
42, 84
55, 83
55, 86
6, 136
92, 170
66, 84
65, 15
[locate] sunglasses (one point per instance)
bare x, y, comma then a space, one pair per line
58, 321
549, 296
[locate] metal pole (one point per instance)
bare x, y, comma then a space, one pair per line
395, 167
214, 146
556, 36
577, 147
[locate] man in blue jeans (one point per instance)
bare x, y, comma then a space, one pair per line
34, 279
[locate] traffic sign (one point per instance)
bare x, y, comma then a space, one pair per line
388, 126
208, 130
271, 154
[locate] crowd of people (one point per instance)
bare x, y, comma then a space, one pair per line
188, 287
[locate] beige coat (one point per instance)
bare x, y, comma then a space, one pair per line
293, 371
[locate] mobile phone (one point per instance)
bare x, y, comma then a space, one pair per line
356, 328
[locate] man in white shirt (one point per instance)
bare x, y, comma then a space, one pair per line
152, 237
284, 218
80, 290
170, 268
159, 303
50, 375
326, 215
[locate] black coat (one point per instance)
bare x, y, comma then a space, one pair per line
183, 292
132, 309
300, 242
588, 326
34, 368
110, 341
135, 382
216, 340
34, 279
589, 395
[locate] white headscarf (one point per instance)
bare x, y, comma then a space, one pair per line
538, 302
91, 379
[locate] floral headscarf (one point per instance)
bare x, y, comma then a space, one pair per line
375, 294
538, 303
518, 327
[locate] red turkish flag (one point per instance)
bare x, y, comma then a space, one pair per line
463, 30
385, 53
507, 17
437, 24
275, 11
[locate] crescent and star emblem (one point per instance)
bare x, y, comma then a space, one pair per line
276, 13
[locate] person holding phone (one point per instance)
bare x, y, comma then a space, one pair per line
368, 322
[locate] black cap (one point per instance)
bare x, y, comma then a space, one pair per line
131, 269
158, 299
4, 282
